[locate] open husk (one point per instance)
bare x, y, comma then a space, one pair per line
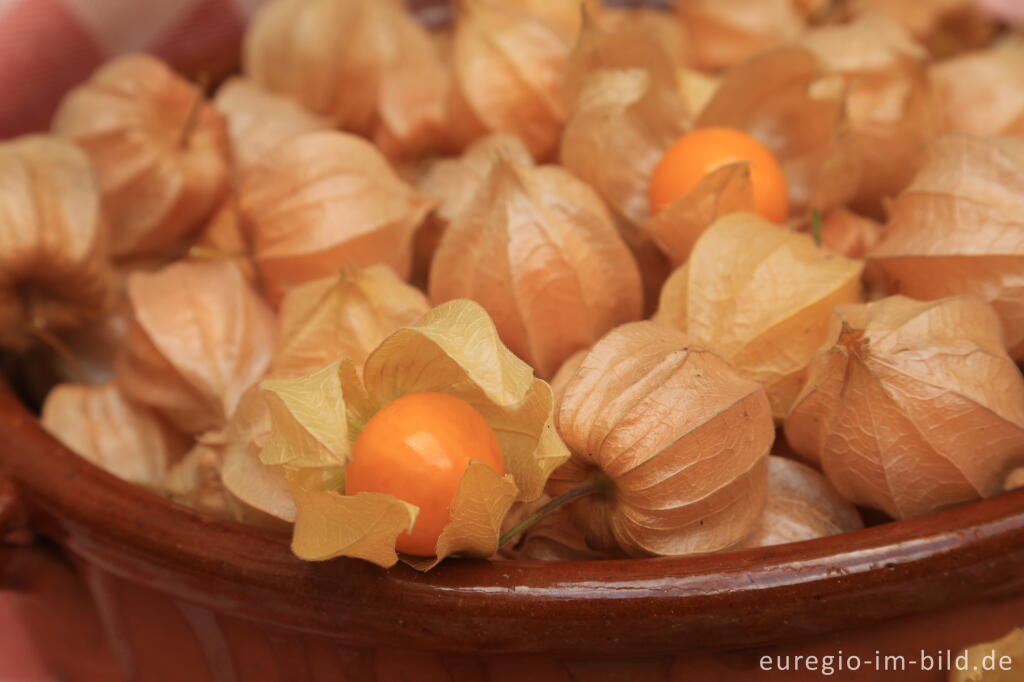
914, 406
122, 437
367, 67
346, 315
726, 33
801, 505
324, 200
887, 102
54, 274
508, 66
259, 120
539, 251
199, 337
454, 349
981, 92
788, 100
674, 439
761, 297
160, 151
959, 229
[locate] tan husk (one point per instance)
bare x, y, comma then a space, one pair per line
914, 406
346, 315
324, 200
1009, 647
789, 102
982, 92
944, 26
1015, 479
727, 189
849, 234
259, 120
760, 296
367, 67
726, 33
160, 151
224, 238
508, 66
565, 16
54, 274
103, 426
888, 99
199, 337
675, 439
959, 229
453, 349
801, 505
539, 251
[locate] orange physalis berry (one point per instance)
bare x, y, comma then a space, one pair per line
417, 448
704, 150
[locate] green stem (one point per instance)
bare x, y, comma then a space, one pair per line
560, 501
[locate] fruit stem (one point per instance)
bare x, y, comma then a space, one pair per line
565, 498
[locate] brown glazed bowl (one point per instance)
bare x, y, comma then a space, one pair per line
118, 584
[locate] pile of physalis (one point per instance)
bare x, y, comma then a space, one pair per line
543, 283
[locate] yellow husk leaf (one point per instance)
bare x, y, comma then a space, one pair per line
887, 102
1010, 646
508, 67
103, 426
453, 349
761, 297
913, 406
54, 274
959, 229
259, 120
199, 337
160, 151
982, 92
346, 315
324, 200
680, 440
539, 251
789, 102
725, 190
801, 505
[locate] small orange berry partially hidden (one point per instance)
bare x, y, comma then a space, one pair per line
704, 150
417, 448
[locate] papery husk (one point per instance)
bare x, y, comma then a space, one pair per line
160, 151
623, 122
888, 99
787, 100
539, 251
959, 229
346, 315
361, 65
801, 505
759, 296
54, 274
566, 372
946, 27
1015, 479
981, 92
552, 538
723, 34
697, 88
454, 349
634, 40
848, 234
224, 238
195, 482
565, 16
199, 337
913, 406
324, 200
1011, 647
259, 120
508, 66
727, 189
675, 439
121, 437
